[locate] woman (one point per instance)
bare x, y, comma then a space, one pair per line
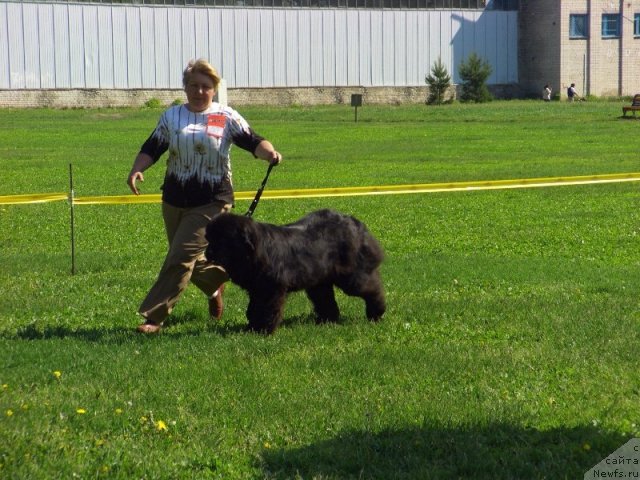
197, 186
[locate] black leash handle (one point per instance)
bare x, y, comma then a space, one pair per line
254, 204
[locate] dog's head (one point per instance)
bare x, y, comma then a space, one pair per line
233, 244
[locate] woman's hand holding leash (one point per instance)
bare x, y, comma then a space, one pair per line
275, 159
265, 151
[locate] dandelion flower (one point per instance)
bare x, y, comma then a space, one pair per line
81, 411
57, 374
267, 445
161, 426
118, 411
9, 413
5, 386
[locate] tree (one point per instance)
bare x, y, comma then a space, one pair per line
439, 82
474, 73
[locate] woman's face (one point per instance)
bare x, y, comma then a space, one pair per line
200, 92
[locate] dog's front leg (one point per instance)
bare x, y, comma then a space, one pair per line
264, 312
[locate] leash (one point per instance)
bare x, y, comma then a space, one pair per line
254, 204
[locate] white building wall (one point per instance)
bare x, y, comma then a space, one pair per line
95, 46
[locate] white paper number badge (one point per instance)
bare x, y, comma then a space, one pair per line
215, 125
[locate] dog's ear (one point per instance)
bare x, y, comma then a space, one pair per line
210, 231
253, 241
214, 233
250, 237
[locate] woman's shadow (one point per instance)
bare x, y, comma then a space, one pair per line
491, 452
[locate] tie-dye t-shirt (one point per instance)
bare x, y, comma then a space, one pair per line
198, 165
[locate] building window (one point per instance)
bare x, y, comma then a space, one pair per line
636, 25
610, 25
578, 26
370, 4
501, 4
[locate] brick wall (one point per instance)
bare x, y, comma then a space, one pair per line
74, 98
328, 96
236, 97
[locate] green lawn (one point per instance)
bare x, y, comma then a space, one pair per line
509, 349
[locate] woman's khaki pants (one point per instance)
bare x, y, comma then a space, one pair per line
185, 260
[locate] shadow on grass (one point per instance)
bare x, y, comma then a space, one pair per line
191, 323
101, 333
225, 329
495, 451
119, 334
185, 324
97, 334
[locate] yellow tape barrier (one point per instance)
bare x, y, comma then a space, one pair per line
453, 186
35, 198
118, 199
348, 191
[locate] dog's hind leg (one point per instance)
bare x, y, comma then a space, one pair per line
264, 311
369, 288
324, 303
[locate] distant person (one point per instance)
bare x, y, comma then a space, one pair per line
197, 186
546, 93
572, 94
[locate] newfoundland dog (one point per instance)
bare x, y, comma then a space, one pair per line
323, 249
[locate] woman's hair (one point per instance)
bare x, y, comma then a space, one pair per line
203, 67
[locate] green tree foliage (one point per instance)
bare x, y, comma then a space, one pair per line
474, 73
439, 82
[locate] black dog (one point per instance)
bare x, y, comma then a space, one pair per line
323, 249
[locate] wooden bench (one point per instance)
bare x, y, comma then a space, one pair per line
634, 107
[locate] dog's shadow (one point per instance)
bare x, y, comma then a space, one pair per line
185, 323
495, 451
236, 326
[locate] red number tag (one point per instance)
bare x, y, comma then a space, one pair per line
215, 125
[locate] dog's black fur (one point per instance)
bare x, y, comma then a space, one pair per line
323, 249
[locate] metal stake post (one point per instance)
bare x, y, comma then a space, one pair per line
73, 240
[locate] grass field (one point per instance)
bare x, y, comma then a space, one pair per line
509, 349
